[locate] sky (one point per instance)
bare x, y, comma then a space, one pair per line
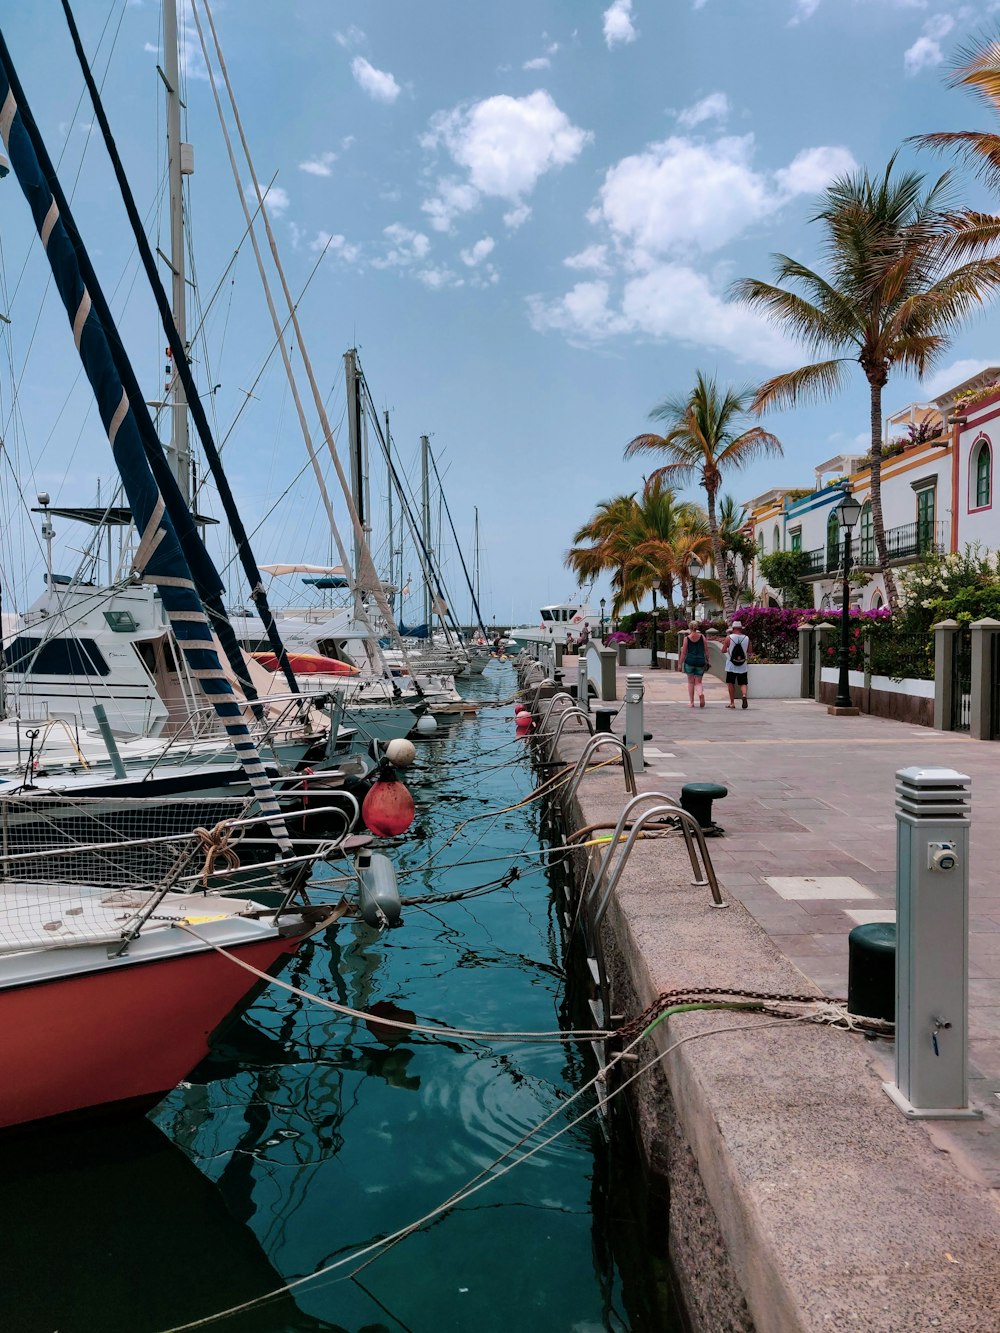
526, 217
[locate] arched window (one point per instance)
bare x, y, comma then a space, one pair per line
760, 542
832, 541
981, 475
776, 539
866, 554
877, 600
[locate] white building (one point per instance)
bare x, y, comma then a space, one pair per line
937, 495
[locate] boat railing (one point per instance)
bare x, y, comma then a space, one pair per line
567, 715
45, 837
204, 723
665, 808
580, 770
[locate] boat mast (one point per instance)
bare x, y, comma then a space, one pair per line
391, 579
425, 519
475, 569
356, 449
180, 163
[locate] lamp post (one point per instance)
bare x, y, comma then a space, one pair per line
694, 569
602, 619
848, 512
653, 662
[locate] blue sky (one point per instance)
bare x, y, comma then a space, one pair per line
528, 216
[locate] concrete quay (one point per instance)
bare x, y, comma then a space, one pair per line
800, 1197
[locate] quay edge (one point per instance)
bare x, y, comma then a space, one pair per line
799, 1199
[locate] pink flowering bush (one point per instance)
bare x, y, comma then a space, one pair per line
774, 631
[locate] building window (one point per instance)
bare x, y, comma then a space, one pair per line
796, 537
776, 539
982, 474
925, 519
832, 541
760, 542
867, 552
877, 602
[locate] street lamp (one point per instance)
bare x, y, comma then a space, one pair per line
694, 569
848, 513
602, 619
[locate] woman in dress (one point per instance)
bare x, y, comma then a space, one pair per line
693, 662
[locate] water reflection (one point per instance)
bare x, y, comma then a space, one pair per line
111, 1228
313, 1135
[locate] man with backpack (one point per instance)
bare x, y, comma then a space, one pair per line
737, 650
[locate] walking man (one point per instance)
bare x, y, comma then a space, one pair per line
737, 650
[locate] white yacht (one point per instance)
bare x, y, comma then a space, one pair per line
557, 620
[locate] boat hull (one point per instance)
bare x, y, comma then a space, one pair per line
120, 1033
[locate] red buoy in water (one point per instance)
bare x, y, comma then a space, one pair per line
388, 809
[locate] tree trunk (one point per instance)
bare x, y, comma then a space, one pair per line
728, 610
667, 593
878, 525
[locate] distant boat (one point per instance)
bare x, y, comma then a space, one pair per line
557, 620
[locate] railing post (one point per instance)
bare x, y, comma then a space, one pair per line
806, 682
557, 649
980, 715
944, 669
583, 687
634, 724
609, 675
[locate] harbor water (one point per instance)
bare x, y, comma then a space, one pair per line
308, 1137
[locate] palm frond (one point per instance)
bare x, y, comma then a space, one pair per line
820, 380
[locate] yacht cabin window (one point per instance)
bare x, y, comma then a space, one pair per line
56, 657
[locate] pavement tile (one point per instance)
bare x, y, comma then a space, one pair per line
811, 796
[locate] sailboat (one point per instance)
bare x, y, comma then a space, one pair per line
108, 994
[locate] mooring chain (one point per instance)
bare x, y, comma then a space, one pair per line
668, 998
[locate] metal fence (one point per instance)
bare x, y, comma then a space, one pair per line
961, 679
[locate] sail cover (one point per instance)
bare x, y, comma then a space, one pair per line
158, 558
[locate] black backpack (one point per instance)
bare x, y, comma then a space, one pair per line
736, 654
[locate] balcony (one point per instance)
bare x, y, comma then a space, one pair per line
903, 544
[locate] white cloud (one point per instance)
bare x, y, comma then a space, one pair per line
618, 25
505, 145
453, 198
539, 62
926, 51
804, 9
585, 309
683, 194
659, 209
478, 252
319, 166
670, 300
713, 107
377, 83
813, 169
351, 39
275, 198
593, 259
516, 217
405, 247
438, 278
948, 377
326, 243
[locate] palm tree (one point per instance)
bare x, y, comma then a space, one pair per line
645, 544
977, 68
705, 436
889, 298
736, 545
